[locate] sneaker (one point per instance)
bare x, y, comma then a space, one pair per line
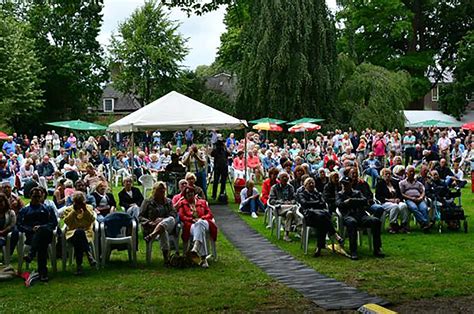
204, 263
287, 238
254, 215
31, 279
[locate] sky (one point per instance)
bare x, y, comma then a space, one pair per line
203, 32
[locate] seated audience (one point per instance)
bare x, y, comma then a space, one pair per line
7, 224
316, 214
105, 201
197, 220
388, 194
352, 205
158, 218
413, 193
130, 198
250, 200
38, 222
79, 219
282, 196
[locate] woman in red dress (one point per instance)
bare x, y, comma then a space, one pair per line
197, 220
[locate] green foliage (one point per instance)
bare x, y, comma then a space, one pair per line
199, 7
148, 50
65, 34
20, 93
371, 96
219, 101
231, 50
405, 35
289, 63
453, 97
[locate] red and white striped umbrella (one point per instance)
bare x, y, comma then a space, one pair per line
304, 127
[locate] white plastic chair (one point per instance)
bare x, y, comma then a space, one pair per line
268, 216
147, 182
68, 248
279, 220
6, 250
123, 238
174, 239
305, 230
24, 248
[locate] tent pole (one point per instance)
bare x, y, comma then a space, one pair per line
245, 153
133, 153
109, 175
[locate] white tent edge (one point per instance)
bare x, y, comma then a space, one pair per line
139, 120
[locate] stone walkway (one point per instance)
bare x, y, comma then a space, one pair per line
326, 292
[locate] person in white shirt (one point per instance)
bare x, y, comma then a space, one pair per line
459, 174
443, 144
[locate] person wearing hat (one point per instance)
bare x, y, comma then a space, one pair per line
352, 205
282, 196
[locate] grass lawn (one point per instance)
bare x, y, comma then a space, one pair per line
417, 265
232, 283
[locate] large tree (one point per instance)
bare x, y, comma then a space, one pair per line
370, 96
289, 61
455, 97
411, 35
20, 93
65, 34
148, 50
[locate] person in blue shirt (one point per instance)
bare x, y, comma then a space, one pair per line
230, 140
9, 146
38, 222
268, 162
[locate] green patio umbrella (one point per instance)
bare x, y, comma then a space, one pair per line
78, 125
267, 120
428, 123
305, 120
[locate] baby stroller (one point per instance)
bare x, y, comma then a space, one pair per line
448, 209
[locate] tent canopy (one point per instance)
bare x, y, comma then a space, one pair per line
78, 125
305, 120
430, 123
267, 120
175, 111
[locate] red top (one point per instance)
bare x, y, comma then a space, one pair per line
202, 211
253, 162
238, 164
266, 186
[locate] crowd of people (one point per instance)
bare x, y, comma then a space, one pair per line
319, 178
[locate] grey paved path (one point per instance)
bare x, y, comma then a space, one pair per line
326, 292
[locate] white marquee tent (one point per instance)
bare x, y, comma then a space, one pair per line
175, 111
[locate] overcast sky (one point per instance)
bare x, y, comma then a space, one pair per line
203, 32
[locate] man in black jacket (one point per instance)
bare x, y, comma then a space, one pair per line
352, 205
316, 214
130, 198
220, 154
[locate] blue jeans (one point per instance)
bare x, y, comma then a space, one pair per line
461, 183
252, 206
419, 210
374, 174
376, 210
201, 180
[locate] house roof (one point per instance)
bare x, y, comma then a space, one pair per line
122, 102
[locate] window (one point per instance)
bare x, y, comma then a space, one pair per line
108, 105
435, 93
470, 97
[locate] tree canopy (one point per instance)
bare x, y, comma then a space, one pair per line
148, 50
411, 35
289, 63
455, 97
371, 96
65, 35
20, 92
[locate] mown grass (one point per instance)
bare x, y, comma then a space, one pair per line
230, 284
417, 265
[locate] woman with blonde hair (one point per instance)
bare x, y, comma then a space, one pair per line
158, 218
